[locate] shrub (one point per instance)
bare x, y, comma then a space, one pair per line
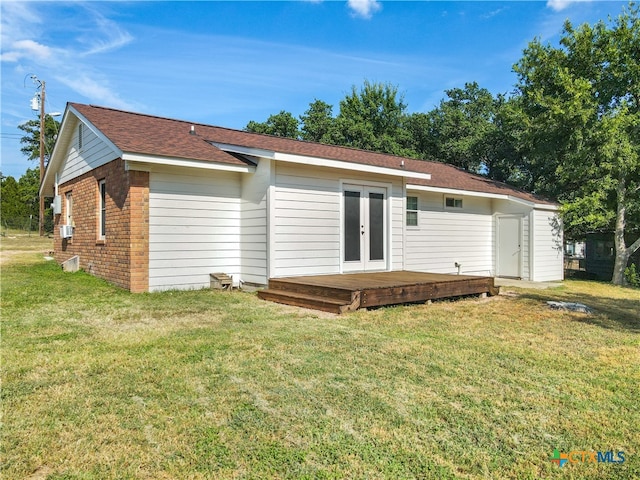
632, 276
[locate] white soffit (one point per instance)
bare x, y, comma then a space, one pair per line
359, 167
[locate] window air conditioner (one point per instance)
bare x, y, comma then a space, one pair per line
66, 231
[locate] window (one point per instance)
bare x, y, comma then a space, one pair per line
412, 211
604, 250
451, 202
80, 137
102, 214
68, 208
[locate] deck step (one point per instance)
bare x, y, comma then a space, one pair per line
316, 302
299, 286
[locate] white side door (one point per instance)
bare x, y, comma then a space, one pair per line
509, 250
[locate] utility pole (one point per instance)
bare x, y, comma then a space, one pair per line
42, 127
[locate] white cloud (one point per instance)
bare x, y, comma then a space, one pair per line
559, 5
25, 43
493, 13
105, 35
97, 89
364, 8
28, 49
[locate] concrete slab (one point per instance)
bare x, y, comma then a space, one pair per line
511, 282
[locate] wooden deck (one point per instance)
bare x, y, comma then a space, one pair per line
349, 292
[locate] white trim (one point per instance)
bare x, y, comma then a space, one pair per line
321, 162
404, 225
339, 164
271, 222
102, 216
405, 210
56, 161
455, 199
532, 245
95, 131
388, 227
520, 242
68, 208
455, 191
137, 161
256, 152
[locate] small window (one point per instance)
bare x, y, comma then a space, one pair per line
412, 211
451, 202
102, 214
80, 136
68, 208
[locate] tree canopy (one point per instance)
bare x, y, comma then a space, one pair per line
283, 124
570, 131
31, 141
581, 101
19, 199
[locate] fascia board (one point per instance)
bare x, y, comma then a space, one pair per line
136, 160
56, 158
359, 167
255, 152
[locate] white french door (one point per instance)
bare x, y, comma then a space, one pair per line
364, 239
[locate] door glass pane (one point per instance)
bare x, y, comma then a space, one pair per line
351, 226
376, 226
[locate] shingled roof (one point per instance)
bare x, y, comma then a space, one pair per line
157, 136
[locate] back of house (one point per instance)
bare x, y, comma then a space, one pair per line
152, 203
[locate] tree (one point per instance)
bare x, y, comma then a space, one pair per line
31, 141
19, 199
283, 124
317, 122
582, 102
423, 136
503, 143
461, 127
372, 119
10, 205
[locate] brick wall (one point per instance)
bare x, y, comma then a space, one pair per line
123, 256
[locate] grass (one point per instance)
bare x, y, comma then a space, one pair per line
99, 383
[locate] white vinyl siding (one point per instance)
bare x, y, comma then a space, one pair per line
306, 230
397, 226
194, 228
446, 237
526, 246
306, 219
253, 229
94, 153
547, 249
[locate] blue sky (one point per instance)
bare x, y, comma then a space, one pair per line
226, 63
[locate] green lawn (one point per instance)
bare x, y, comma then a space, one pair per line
98, 383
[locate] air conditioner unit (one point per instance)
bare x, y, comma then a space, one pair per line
66, 231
